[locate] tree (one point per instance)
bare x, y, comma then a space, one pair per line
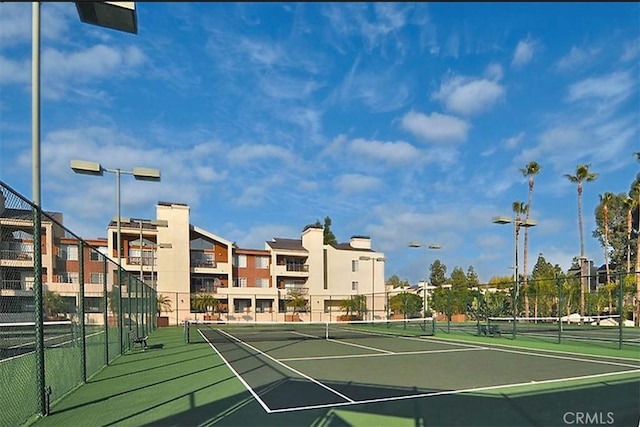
634, 193
629, 204
355, 307
617, 229
582, 175
297, 300
605, 200
395, 282
52, 304
407, 304
530, 170
163, 304
438, 276
460, 296
329, 237
204, 302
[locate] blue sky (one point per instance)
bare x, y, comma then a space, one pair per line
403, 122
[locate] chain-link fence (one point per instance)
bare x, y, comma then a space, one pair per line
564, 308
88, 309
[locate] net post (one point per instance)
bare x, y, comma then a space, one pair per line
620, 309
559, 285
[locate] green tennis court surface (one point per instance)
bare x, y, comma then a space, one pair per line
290, 370
244, 378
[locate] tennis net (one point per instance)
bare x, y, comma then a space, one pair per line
20, 337
539, 325
209, 331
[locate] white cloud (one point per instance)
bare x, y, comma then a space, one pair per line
357, 183
524, 52
494, 72
614, 85
631, 50
467, 96
577, 57
513, 141
388, 152
247, 153
436, 127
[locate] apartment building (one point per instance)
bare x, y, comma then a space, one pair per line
248, 283
181, 260
60, 266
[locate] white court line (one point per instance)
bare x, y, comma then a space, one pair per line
555, 356
448, 392
360, 346
288, 367
496, 345
244, 383
400, 353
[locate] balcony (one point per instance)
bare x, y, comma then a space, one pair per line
292, 270
16, 258
203, 263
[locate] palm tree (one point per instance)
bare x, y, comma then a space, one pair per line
582, 175
164, 304
297, 300
52, 304
629, 205
205, 302
606, 199
530, 170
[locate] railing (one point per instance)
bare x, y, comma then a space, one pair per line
14, 285
297, 267
13, 254
207, 263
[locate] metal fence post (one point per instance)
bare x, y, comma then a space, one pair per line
105, 314
83, 347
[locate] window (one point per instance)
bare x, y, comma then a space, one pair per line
69, 252
354, 265
262, 262
262, 282
96, 278
69, 277
94, 256
240, 261
354, 286
241, 282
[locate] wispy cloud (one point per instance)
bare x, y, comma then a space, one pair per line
395, 153
435, 127
357, 183
577, 57
616, 85
524, 52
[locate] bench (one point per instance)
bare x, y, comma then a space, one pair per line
491, 330
138, 340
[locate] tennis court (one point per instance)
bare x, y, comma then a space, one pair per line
296, 367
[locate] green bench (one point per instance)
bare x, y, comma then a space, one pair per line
489, 330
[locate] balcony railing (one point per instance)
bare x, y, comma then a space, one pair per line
205, 263
146, 260
14, 285
297, 267
12, 254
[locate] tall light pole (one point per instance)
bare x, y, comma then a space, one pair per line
373, 279
120, 16
517, 223
433, 246
142, 174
